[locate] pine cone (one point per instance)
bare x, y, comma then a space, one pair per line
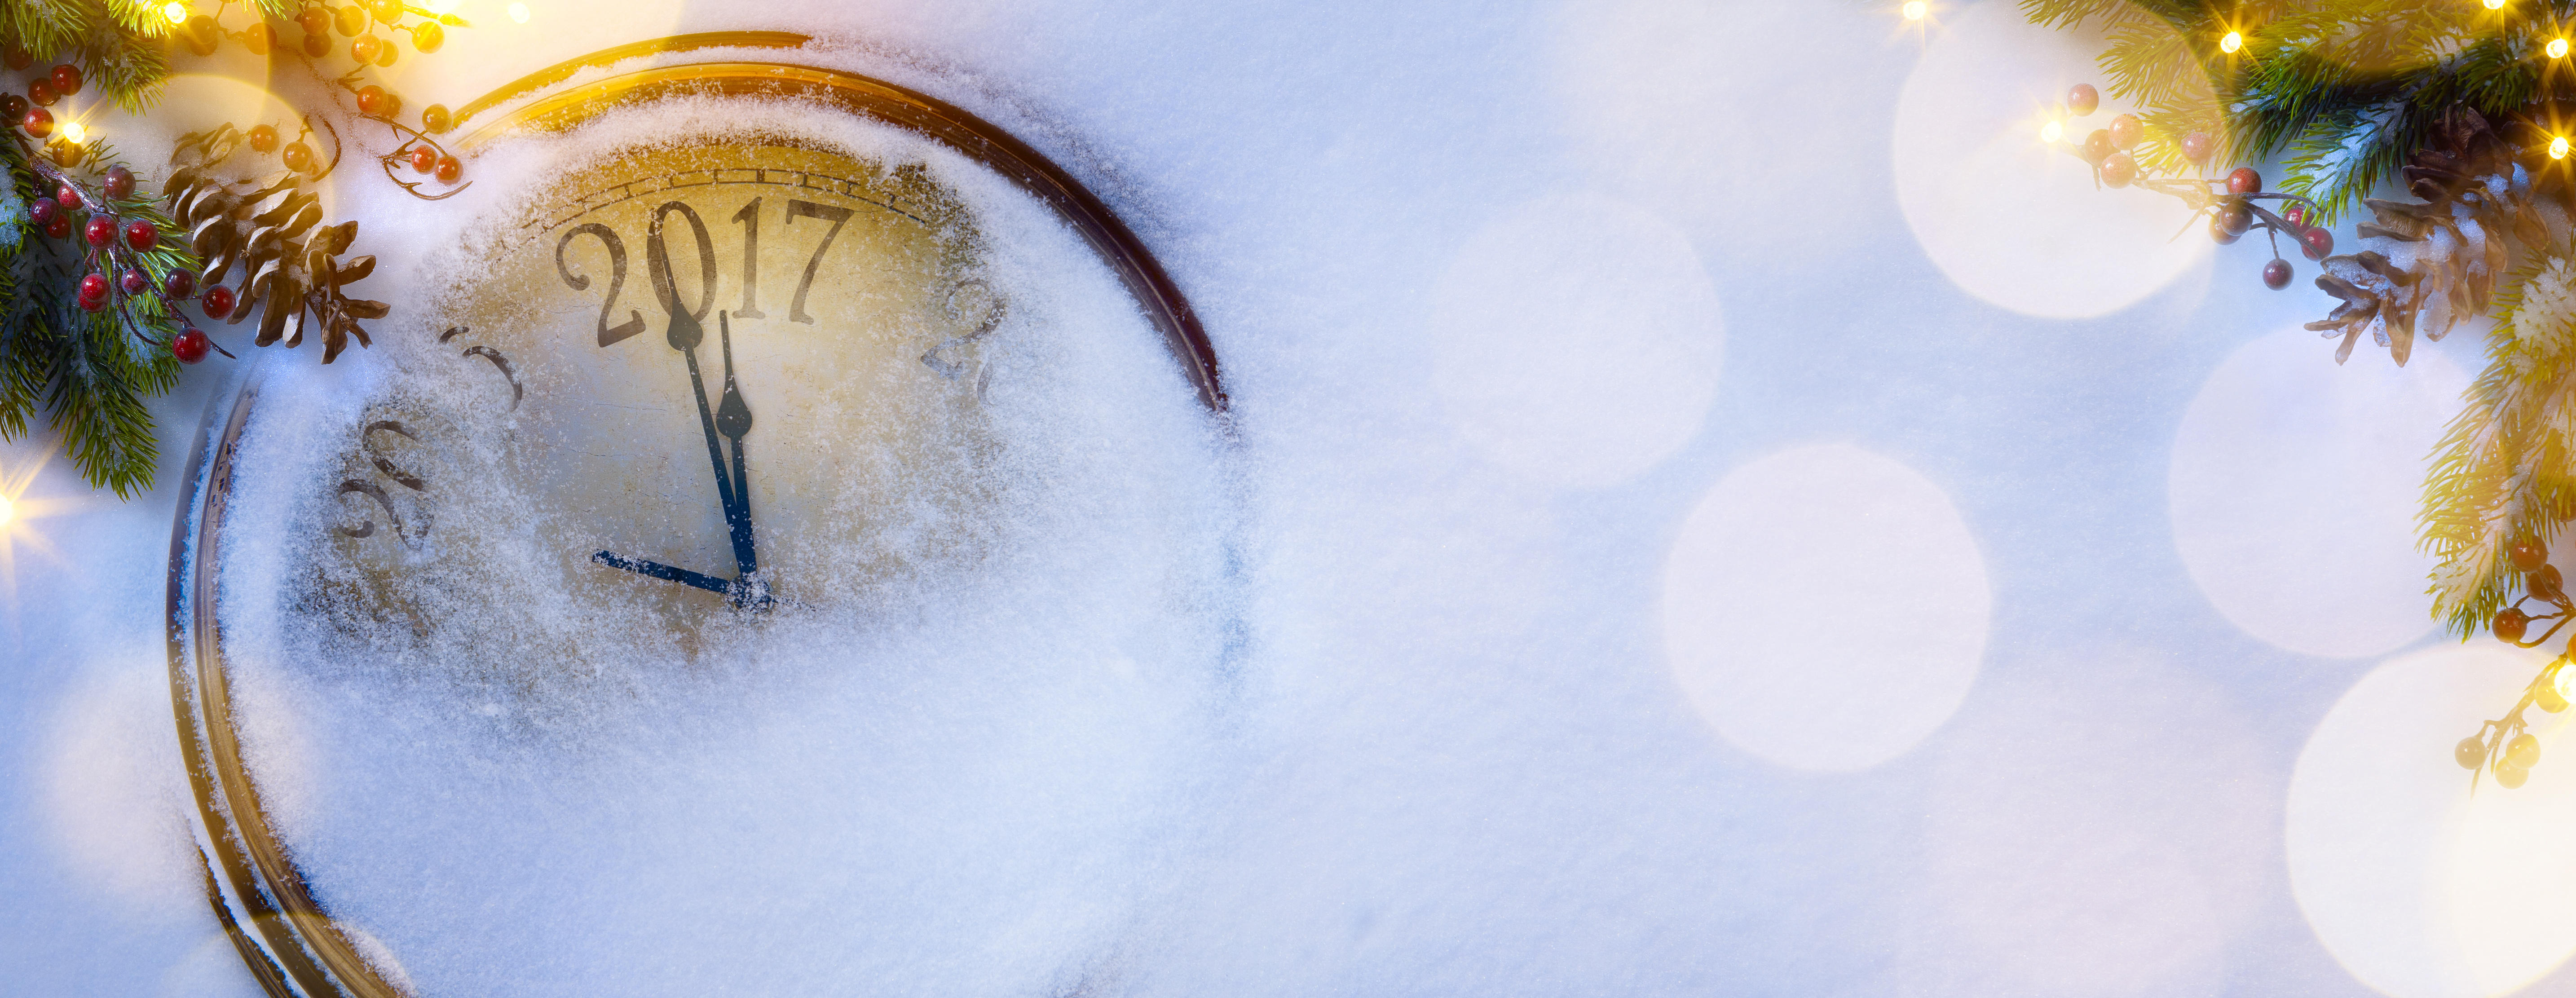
267, 226
2443, 256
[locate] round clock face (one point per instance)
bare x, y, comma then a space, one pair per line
788, 542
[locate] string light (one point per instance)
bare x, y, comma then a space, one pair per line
74, 133
177, 12
2558, 147
2558, 48
441, 6
2052, 131
7, 509
519, 12
2231, 43
1915, 9
2495, 4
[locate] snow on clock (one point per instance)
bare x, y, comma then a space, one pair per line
788, 542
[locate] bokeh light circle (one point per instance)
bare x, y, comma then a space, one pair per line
2011, 220
2294, 487
1825, 608
1577, 340
2420, 887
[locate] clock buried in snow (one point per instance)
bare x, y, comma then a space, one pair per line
697, 391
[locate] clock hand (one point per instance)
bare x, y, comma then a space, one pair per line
733, 419
684, 336
664, 572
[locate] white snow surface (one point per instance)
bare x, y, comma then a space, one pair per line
1418, 729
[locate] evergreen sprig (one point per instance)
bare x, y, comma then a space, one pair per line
2345, 90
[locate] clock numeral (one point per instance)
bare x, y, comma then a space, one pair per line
749, 216
657, 258
386, 467
836, 215
518, 392
616, 280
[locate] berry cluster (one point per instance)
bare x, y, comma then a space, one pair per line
33, 112
2229, 202
2502, 744
114, 243
357, 22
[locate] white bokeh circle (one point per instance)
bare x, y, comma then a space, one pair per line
2013, 221
1653, 98
2294, 487
1576, 340
1825, 608
2420, 887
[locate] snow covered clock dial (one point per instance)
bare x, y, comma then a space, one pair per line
786, 400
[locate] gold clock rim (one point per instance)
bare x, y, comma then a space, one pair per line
306, 953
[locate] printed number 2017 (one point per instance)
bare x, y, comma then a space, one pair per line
659, 269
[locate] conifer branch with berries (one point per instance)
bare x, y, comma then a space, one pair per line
2460, 112
98, 274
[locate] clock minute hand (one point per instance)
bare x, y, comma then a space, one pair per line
733, 419
684, 336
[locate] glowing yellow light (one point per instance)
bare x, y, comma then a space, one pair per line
2558, 147
74, 133
7, 509
519, 12
177, 12
441, 6
2052, 131
2495, 4
2558, 48
2231, 43
1915, 9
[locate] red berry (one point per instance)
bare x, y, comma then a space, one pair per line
141, 235
2118, 169
38, 122
120, 182
2317, 242
2529, 556
203, 35
58, 228
2244, 181
180, 284
449, 169
100, 231
2236, 218
427, 36
2218, 230
434, 119
42, 93
317, 45
15, 59
67, 79
371, 98
2470, 752
387, 11
2510, 776
263, 138
67, 197
2081, 99
259, 39
218, 302
2544, 583
2511, 624
364, 49
2296, 215
2523, 751
350, 19
2125, 131
2549, 699
13, 107
313, 20
41, 212
297, 156
93, 286
424, 158
133, 281
2276, 274
2097, 147
190, 345
2197, 146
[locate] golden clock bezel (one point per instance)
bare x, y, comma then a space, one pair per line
290, 944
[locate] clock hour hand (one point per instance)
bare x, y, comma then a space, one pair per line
684, 335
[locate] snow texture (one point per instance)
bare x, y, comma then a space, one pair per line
1414, 722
